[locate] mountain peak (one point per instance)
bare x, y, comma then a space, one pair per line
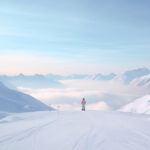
136, 73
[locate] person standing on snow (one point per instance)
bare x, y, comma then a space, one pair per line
83, 104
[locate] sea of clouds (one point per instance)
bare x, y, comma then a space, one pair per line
100, 95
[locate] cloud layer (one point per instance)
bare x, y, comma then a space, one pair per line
104, 95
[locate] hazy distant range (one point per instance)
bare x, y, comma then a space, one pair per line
53, 81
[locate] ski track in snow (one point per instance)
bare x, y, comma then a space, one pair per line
91, 130
23, 134
20, 136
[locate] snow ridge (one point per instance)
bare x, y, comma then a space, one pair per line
15, 101
141, 105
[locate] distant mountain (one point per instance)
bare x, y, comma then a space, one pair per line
14, 101
141, 105
142, 81
104, 77
30, 81
134, 74
89, 77
47, 81
53, 80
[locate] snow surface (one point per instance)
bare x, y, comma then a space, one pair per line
141, 105
75, 130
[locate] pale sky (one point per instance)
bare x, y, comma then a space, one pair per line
66, 37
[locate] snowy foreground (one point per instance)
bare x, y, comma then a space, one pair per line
75, 130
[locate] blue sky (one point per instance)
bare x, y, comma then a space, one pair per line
74, 36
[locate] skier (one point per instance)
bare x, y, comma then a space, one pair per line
83, 104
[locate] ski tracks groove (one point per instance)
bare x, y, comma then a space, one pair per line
88, 137
25, 134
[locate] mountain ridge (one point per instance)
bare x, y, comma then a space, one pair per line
15, 101
140, 105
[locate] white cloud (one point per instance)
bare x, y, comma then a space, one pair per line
98, 106
99, 94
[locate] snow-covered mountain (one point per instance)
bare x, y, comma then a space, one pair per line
39, 81
141, 105
103, 77
14, 101
30, 81
142, 81
129, 76
53, 80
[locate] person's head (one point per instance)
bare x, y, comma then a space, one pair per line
83, 99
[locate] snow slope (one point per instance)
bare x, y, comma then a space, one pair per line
90, 130
144, 81
141, 105
14, 101
129, 76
